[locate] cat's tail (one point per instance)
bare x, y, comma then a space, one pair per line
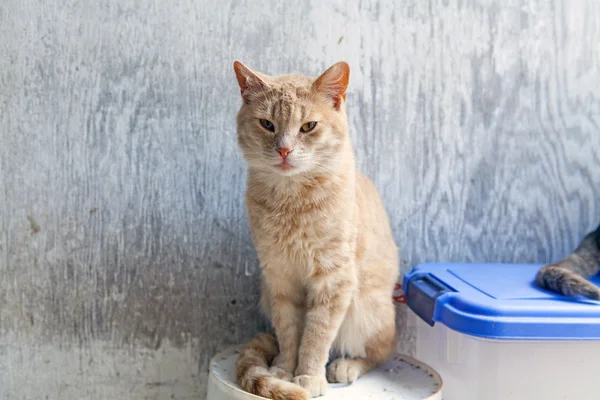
569, 275
252, 370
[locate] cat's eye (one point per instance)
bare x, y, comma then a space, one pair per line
307, 127
268, 125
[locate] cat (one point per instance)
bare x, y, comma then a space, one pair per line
328, 258
569, 275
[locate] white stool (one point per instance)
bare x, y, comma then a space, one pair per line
401, 378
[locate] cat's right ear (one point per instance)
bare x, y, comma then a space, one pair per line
249, 81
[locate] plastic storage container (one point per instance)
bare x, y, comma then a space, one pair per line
492, 334
402, 378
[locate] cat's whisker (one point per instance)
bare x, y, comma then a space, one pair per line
325, 167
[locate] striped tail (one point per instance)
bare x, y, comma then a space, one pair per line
569, 275
252, 370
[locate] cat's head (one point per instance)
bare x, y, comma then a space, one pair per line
293, 124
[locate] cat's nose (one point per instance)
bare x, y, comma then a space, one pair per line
284, 151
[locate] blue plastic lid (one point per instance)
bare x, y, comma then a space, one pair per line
499, 301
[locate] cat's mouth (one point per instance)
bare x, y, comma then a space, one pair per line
285, 165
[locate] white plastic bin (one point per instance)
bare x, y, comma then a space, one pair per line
402, 378
496, 336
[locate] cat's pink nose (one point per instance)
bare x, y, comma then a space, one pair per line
284, 151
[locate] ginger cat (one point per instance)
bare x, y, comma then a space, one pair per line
328, 259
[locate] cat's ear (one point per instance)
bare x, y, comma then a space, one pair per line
334, 82
249, 81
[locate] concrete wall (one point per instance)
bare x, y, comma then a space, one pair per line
125, 256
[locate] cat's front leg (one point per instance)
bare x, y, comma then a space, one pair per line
328, 298
286, 313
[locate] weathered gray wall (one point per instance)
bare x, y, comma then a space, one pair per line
125, 257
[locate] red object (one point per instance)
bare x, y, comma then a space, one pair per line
399, 299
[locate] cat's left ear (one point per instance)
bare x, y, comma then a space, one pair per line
334, 82
249, 81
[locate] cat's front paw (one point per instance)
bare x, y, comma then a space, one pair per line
344, 370
316, 385
281, 373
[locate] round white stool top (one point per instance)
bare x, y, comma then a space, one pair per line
401, 378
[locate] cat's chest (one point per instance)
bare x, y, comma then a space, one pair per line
290, 238
289, 229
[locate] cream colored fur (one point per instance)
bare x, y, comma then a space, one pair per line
328, 259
